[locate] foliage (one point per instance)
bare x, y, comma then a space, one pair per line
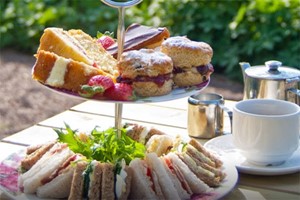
105, 146
23, 21
238, 30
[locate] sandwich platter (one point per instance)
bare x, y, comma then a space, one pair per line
9, 179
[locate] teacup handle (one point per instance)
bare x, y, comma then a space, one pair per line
229, 113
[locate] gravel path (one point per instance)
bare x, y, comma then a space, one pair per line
24, 102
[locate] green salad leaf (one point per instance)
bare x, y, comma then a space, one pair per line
104, 146
74, 141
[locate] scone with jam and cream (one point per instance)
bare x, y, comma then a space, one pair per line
148, 71
191, 60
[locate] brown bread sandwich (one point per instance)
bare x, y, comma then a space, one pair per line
96, 180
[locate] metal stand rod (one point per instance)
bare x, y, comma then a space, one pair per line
121, 31
120, 37
118, 116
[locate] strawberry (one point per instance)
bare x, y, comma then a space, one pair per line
101, 80
96, 86
106, 39
120, 92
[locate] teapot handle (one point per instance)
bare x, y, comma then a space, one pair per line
294, 95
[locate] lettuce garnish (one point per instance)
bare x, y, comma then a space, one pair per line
104, 146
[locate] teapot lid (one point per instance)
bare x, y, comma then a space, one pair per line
272, 70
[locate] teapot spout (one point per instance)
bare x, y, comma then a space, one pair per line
244, 66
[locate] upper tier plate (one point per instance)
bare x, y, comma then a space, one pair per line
176, 93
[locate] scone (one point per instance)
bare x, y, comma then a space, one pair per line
191, 60
148, 71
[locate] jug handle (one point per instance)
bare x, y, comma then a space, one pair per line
229, 113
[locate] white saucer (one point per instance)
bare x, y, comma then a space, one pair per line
223, 146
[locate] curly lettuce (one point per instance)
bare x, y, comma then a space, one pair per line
104, 146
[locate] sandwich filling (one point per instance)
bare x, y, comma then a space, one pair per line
87, 177
59, 170
143, 135
120, 180
174, 170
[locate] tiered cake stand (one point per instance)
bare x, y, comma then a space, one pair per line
175, 94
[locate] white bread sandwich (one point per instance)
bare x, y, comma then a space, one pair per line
58, 184
145, 182
160, 144
157, 167
179, 182
96, 180
196, 185
44, 167
205, 165
154, 179
217, 162
34, 153
206, 175
141, 133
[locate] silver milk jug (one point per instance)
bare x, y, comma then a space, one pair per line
206, 115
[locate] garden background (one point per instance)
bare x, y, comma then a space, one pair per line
238, 30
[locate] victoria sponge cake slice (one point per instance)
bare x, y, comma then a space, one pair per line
79, 46
59, 72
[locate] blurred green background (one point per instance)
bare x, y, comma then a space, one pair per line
238, 30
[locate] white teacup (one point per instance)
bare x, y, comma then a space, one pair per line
266, 131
